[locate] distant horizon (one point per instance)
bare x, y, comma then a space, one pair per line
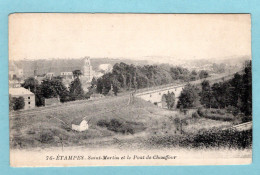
146, 58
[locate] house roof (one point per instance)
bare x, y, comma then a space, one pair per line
77, 121
19, 91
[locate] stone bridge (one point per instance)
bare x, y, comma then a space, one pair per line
156, 95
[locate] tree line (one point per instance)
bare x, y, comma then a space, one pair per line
51, 88
235, 94
128, 77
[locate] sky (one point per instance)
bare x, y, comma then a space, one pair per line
136, 36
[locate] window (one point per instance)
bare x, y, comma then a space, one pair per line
28, 97
29, 102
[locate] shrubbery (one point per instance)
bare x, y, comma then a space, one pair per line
119, 126
16, 103
116, 126
206, 139
46, 137
195, 115
201, 112
227, 117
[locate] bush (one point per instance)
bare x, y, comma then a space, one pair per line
206, 139
46, 137
103, 123
117, 126
233, 110
195, 115
18, 103
223, 138
227, 117
246, 118
201, 112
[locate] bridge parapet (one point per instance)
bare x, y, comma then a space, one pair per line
155, 94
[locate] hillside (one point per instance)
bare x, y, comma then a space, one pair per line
137, 125
34, 129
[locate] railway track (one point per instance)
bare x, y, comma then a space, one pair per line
243, 126
240, 127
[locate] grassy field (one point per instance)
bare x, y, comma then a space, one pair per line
112, 123
45, 130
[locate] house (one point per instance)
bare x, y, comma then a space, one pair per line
57, 67
66, 75
29, 97
79, 124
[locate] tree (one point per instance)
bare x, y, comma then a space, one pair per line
77, 73
93, 82
30, 83
39, 98
18, 103
76, 90
247, 90
51, 89
189, 97
170, 100
193, 75
217, 95
205, 94
116, 86
203, 74
47, 89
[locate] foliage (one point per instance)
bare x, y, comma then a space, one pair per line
76, 90
234, 94
46, 137
227, 117
214, 138
52, 88
116, 126
189, 97
203, 74
201, 112
206, 95
195, 115
77, 73
30, 83
18, 103
170, 100
130, 77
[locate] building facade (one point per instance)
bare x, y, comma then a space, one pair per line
29, 97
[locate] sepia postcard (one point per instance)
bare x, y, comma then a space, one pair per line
129, 89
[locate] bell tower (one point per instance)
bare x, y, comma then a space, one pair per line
87, 69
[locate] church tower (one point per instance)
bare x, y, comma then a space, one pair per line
87, 69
